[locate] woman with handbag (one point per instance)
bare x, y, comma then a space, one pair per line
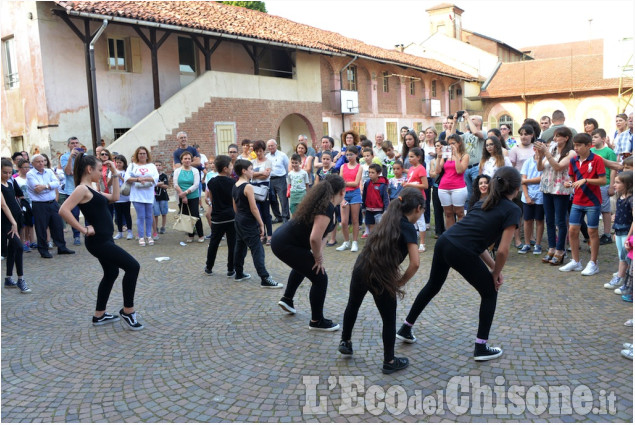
122, 206
143, 175
249, 227
186, 182
262, 171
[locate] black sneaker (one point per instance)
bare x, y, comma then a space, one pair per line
9, 283
483, 352
22, 286
241, 277
325, 325
287, 305
405, 334
398, 363
346, 348
208, 272
129, 321
268, 282
231, 273
106, 318
605, 239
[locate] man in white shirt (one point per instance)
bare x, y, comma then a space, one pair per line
278, 182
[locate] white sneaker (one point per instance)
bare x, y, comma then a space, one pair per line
118, 236
627, 346
590, 269
422, 247
354, 247
130, 236
346, 245
614, 283
573, 266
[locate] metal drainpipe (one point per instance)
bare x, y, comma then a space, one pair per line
91, 50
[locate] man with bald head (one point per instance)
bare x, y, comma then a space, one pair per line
181, 137
377, 149
557, 120
278, 182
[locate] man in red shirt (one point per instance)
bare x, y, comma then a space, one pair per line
587, 174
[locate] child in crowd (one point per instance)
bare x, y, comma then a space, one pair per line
375, 197
377, 270
367, 159
598, 137
298, 181
352, 174
623, 221
122, 205
27, 234
480, 188
390, 159
222, 214
627, 352
210, 173
533, 210
587, 174
418, 178
161, 199
327, 166
395, 183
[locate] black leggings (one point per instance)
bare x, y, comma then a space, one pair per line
301, 260
14, 251
387, 306
439, 217
473, 269
123, 214
112, 258
192, 209
218, 230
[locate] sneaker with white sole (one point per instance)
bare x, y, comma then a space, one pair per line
287, 305
354, 247
325, 325
525, 249
230, 274
572, 266
627, 353
268, 282
346, 245
150, 241
422, 247
118, 236
241, 277
22, 286
614, 283
129, 321
142, 242
346, 348
105, 319
627, 345
405, 334
621, 290
590, 269
130, 236
483, 352
537, 250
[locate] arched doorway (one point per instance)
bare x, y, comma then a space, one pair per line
290, 127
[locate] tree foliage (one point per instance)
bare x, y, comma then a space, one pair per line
254, 5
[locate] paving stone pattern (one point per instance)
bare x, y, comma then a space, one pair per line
216, 351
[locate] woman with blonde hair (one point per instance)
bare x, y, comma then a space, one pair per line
143, 175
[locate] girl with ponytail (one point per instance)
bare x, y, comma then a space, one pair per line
377, 270
463, 247
300, 242
99, 242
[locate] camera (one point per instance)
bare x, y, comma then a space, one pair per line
459, 115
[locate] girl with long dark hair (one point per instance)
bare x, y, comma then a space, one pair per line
463, 247
99, 242
377, 270
352, 175
480, 189
493, 157
300, 243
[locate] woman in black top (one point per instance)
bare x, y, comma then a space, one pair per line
377, 270
300, 242
249, 227
12, 222
463, 247
99, 241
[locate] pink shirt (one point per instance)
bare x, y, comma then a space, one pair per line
451, 180
416, 174
349, 175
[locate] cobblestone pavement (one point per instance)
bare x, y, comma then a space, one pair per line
215, 350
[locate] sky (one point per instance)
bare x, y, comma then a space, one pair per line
518, 23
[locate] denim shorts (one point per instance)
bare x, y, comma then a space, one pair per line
353, 196
577, 215
373, 217
160, 208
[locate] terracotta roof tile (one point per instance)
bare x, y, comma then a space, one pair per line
557, 75
576, 48
212, 16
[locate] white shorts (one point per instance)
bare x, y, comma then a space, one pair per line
420, 225
453, 197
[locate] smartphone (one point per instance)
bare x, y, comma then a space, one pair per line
459, 115
446, 152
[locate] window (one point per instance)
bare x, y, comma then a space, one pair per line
359, 127
417, 127
451, 94
117, 54
412, 86
187, 56
351, 78
10, 64
438, 127
325, 128
225, 136
506, 119
433, 88
391, 133
386, 77
17, 144
120, 132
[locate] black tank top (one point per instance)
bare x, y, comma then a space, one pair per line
98, 215
243, 210
9, 194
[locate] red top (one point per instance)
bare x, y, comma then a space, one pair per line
588, 195
349, 175
416, 174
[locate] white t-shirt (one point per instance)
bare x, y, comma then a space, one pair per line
138, 193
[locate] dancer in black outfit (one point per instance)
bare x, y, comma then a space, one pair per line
220, 189
12, 222
300, 242
377, 270
463, 247
99, 242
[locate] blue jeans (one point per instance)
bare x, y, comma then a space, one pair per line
556, 208
469, 176
144, 219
